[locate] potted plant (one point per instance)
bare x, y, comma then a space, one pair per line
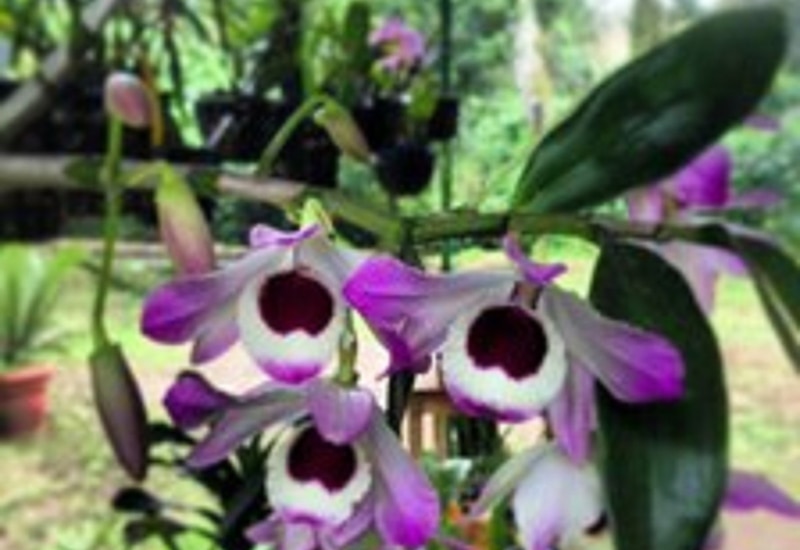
30, 286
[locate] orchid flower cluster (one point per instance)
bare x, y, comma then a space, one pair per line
510, 343
511, 346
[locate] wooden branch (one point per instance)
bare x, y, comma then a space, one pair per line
48, 172
31, 98
19, 172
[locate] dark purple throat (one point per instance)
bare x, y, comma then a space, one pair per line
508, 338
293, 301
312, 458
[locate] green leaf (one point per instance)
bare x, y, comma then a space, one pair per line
658, 112
664, 465
31, 284
777, 280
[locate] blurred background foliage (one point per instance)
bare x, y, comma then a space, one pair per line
518, 66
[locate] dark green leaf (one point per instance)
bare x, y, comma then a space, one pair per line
664, 465
656, 113
777, 280
775, 275
780, 272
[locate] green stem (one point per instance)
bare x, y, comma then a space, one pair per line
113, 206
273, 149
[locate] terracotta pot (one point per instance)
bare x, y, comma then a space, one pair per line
23, 400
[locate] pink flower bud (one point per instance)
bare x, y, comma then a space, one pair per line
127, 97
344, 132
183, 226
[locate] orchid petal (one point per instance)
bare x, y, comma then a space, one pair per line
572, 413
410, 311
298, 536
556, 502
334, 264
340, 414
217, 335
634, 365
407, 507
506, 479
756, 199
265, 531
705, 182
534, 273
192, 400
264, 236
244, 420
182, 309
700, 266
344, 535
749, 491
646, 204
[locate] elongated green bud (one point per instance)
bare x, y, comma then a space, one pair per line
343, 131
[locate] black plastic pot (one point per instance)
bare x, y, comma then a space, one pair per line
382, 121
443, 124
76, 123
406, 168
239, 127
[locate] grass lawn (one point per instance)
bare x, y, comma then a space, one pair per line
56, 486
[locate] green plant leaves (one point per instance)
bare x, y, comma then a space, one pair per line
777, 280
31, 283
656, 113
664, 465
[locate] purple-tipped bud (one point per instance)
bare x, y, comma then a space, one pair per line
183, 226
344, 132
122, 413
192, 401
126, 97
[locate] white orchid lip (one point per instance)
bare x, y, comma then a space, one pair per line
290, 322
310, 479
294, 300
504, 361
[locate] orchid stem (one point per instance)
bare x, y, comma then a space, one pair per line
113, 206
282, 136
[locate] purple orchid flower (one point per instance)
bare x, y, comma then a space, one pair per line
556, 502
512, 344
403, 47
335, 472
282, 299
703, 187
